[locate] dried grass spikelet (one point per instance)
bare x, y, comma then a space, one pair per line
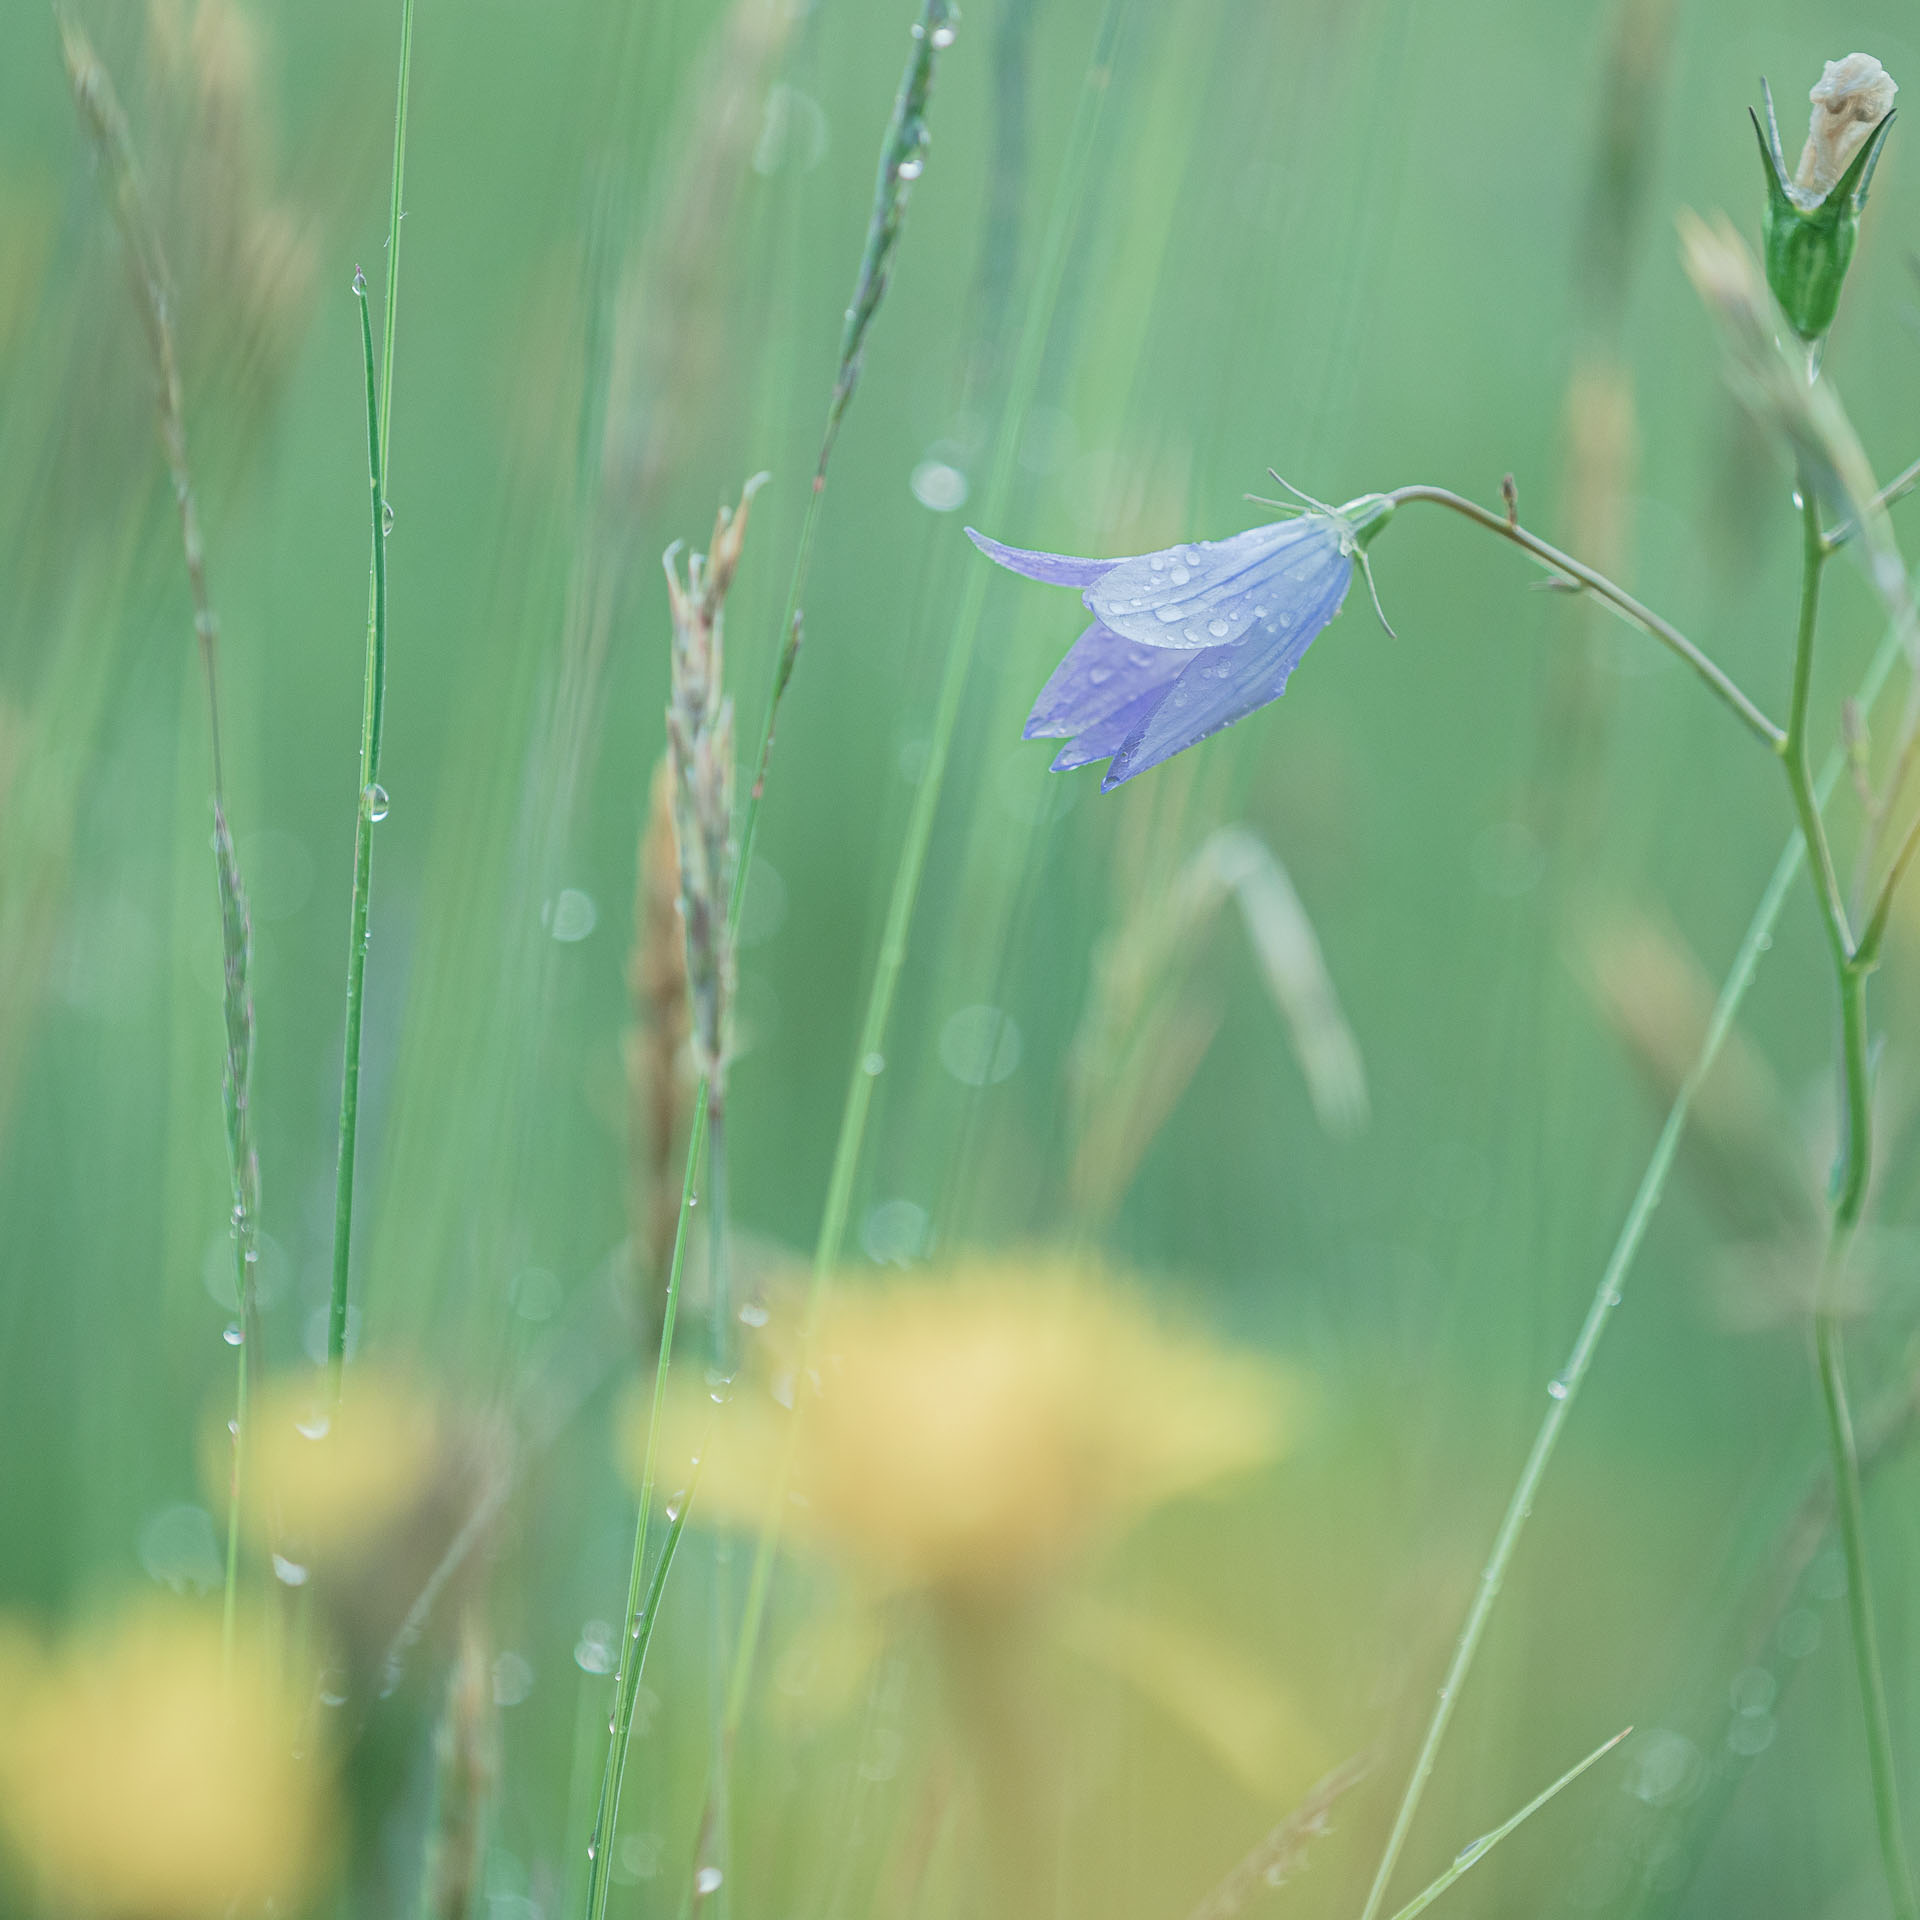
244, 254
1654, 993
700, 750
1602, 457
975, 1432
468, 1754
378, 1500
1143, 1032
1776, 384
670, 320
327, 1480
659, 1081
147, 1774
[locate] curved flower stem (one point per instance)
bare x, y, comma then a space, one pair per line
1851, 966
1616, 597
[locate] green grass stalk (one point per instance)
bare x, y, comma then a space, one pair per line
106, 123
1564, 1392
373, 807
869, 1059
390, 300
373, 803
903, 153
642, 1597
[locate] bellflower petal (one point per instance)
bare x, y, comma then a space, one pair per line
1224, 684
1217, 591
1101, 673
1056, 569
1106, 736
1187, 640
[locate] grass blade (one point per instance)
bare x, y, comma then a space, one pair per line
1475, 1851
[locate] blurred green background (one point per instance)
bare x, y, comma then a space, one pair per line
1367, 245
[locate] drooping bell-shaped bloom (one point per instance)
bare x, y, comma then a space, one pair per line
1192, 638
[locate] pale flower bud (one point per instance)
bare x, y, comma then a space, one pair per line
1853, 97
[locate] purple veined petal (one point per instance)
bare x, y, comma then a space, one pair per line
1224, 684
1056, 569
1256, 585
1100, 673
1107, 735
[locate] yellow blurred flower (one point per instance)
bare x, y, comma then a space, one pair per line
977, 1430
144, 1774
325, 1480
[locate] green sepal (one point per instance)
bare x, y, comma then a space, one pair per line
1809, 249
1365, 517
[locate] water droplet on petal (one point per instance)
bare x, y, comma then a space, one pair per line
1158, 563
1219, 629
1099, 676
377, 802
1179, 576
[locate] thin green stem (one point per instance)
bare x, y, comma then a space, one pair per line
1851, 966
1866, 952
106, 121
372, 808
1565, 1389
869, 1060
1830, 1358
373, 707
230, 1599
1616, 597
1793, 749
1902, 484
395, 214
642, 1599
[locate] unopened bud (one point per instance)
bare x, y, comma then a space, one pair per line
1813, 218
